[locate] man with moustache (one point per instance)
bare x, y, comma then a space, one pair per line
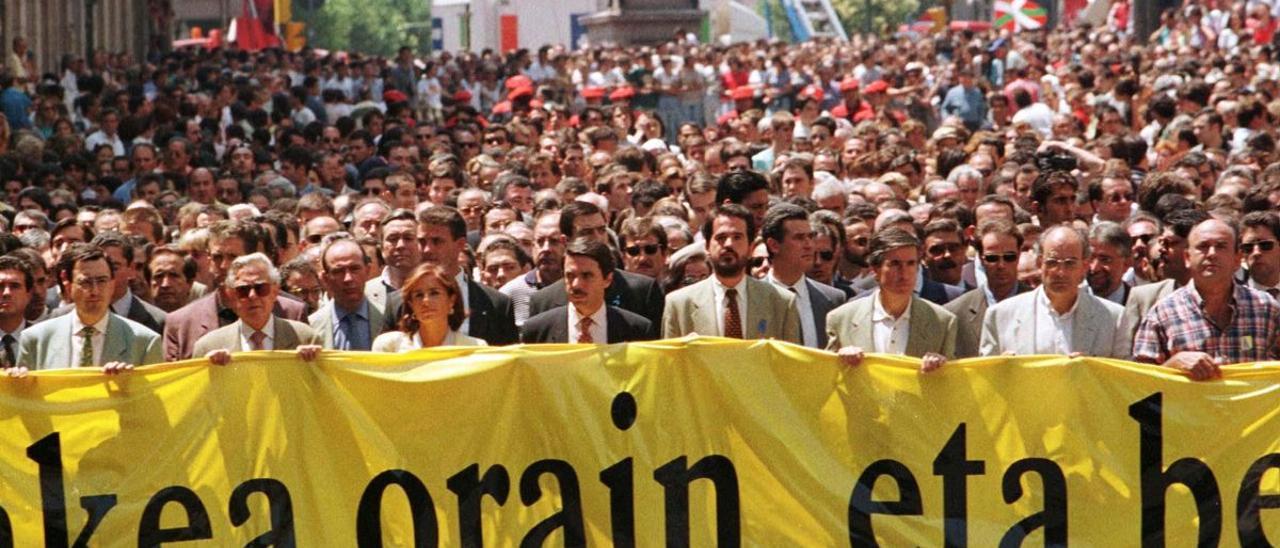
893, 319
1110, 259
1057, 318
789, 239
944, 257
630, 291
587, 319
548, 260
1169, 261
998, 244
644, 247
1213, 320
730, 303
170, 274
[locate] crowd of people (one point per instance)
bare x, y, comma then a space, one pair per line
1078, 192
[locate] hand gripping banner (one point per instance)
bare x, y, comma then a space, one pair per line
682, 442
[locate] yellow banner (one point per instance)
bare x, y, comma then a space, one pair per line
684, 442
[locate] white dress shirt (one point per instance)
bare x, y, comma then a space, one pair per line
99, 339
599, 325
720, 289
889, 333
808, 324
1052, 330
1254, 284
268, 343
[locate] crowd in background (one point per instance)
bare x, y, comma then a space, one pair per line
1079, 191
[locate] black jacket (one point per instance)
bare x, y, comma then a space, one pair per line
552, 326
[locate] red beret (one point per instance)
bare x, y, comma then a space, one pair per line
592, 92
394, 96
624, 93
520, 92
519, 81
742, 93
812, 92
849, 84
878, 86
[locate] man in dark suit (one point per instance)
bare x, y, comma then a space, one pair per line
998, 242
123, 302
633, 292
227, 241
789, 238
587, 319
490, 315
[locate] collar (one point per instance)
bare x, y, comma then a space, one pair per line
879, 314
100, 326
1043, 299
741, 286
1117, 296
800, 286
16, 332
269, 330
598, 317
121, 306
362, 310
1254, 284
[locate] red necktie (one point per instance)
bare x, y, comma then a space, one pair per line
584, 331
732, 316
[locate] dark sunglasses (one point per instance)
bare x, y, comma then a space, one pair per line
757, 262
1144, 238
315, 238
1010, 257
244, 291
372, 191
938, 249
649, 249
1263, 245
826, 256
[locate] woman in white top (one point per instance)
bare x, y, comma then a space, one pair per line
432, 314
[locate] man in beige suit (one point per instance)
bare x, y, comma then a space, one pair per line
892, 319
1058, 317
253, 283
998, 244
730, 303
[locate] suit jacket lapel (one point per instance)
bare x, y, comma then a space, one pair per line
559, 331
704, 315
59, 354
376, 317
861, 329
1084, 325
115, 345
757, 322
1023, 330
478, 306
616, 328
323, 323
921, 332
286, 338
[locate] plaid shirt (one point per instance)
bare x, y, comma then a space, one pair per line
1178, 323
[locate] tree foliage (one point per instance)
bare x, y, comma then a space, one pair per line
369, 26
885, 15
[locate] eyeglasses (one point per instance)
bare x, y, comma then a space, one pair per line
304, 292
861, 241
244, 291
370, 191
315, 238
826, 256
938, 249
993, 258
1262, 245
757, 262
648, 249
90, 283
1144, 238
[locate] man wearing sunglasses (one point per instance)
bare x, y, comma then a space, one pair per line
1057, 318
998, 244
253, 284
90, 335
1258, 244
644, 247
1168, 254
789, 239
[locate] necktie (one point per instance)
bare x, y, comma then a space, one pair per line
584, 331
10, 358
256, 339
86, 350
732, 316
796, 292
342, 339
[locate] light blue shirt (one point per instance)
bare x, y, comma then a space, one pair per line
351, 328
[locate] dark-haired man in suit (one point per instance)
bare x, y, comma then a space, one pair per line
587, 319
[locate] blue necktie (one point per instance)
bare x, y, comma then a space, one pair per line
352, 333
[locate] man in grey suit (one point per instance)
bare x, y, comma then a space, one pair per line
892, 319
789, 239
730, 303
123, 301
1057, 318
998, 242
350, 320
90, 335
253, 284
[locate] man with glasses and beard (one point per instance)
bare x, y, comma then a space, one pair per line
730, 303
